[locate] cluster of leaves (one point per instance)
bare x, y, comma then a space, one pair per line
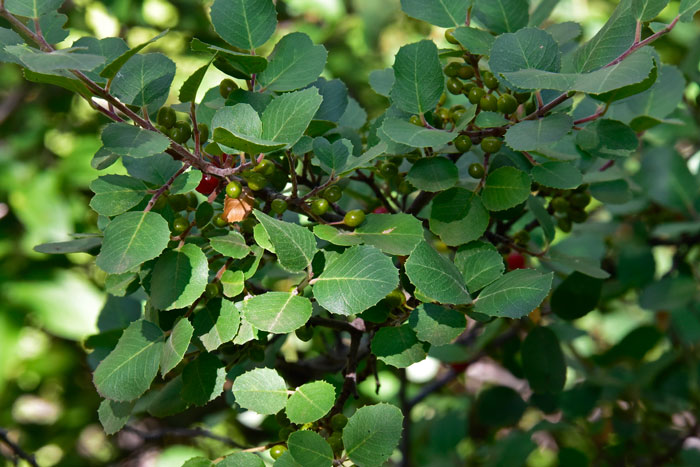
533, 127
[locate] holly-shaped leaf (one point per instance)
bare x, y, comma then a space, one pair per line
530, 135
231, 245
562, 175
145, 80
114, 415
407, 133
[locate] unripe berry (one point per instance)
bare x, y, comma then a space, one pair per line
319, 206
233, 189
463, 143
476, 170
491, 144
354, 218
488, 102
475, 95
277, 450
507, 104
333, 193
449, 35
166, 117
226, 87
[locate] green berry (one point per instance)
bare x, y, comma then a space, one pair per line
265, 167
522, 96
457, 114
507, 104
220, 221
580, 200
463, 143
452, 69
468, 86
530, 107
578, 216
256, 181
476, 94
233, 189
476, 170
449, 35
338, 422
277, 450
454, 86
443, 99
354, 218
466, 72
388, 170
336, 442
160, 202
395, 299
491, 144
564, 224
226, 87
333, 193
278, 205
305, 333
489, 80
488, 102
166, 117
203, 130
559, 204
415, 119
181, 132
213, 289
521, 237
405, 187
178, 202
319, 206
443, 113
180, 224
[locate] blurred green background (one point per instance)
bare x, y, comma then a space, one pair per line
47, 139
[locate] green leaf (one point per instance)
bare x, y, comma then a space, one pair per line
295, 246
608, 139
476, 41
129, 140
398, 346
199, 461
542, 12
505, 187
536, 206
434, 274
114, 415
335, 99
132, 238
286, 118
33, 8
115, 194
337, 236
110, 48
381, 81
233, 283
419, 81
188, 90
364, 160
394, 234
241, 459
611, 41
499, 406
176, 345
502, 15
261, 390
666, 179
354, 116
237, 64
646, 10
186, 182
543, 361
480, 264
9, 37
79, 245
407, 133
310, 402
332, 157
562, 175
514, 295
372, 434
179, 278
203, 379
433, 174
277, 312
688, 9
294, 63
527, 49
166, 400
245, 24
669, 293
309, 449
127, 372
529, 135
111, 70
355, 281
444, 13
217, 323
51, 62
458, 216
436, 324
240, 127
144, 81
576, 296
231, 245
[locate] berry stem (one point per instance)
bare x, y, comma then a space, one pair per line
165, 186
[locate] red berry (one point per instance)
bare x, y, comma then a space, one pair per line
515, 261
459, 367
381, 210
207, 184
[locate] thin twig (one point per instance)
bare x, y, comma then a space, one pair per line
16, 449
159, 192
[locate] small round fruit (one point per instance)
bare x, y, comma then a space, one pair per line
278, 205
213, 289
160, 202
457, 114
220, 221
522, 96
443, 113
354, 218
475, 95
336, 442
233, 189
405, 187
559, 204
203, 130
521, 237
443, 99
338, 421
488, 102
454, 86
207, 185
257, 181
166, 117
578, 216
178, 202
181, 132
452, 69
415, 119
305, 333
277, 450
333, 193
507, 104
319, 206
489, 80
380, 210
468, 86
580, 200
265, 167
515, 261
491, 144
226, 87
476, 170
180, 224
395, 298
564, 224
465, 72
388, 170
463, 143
530, 107
449, 35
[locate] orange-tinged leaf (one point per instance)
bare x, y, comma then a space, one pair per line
237, 209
